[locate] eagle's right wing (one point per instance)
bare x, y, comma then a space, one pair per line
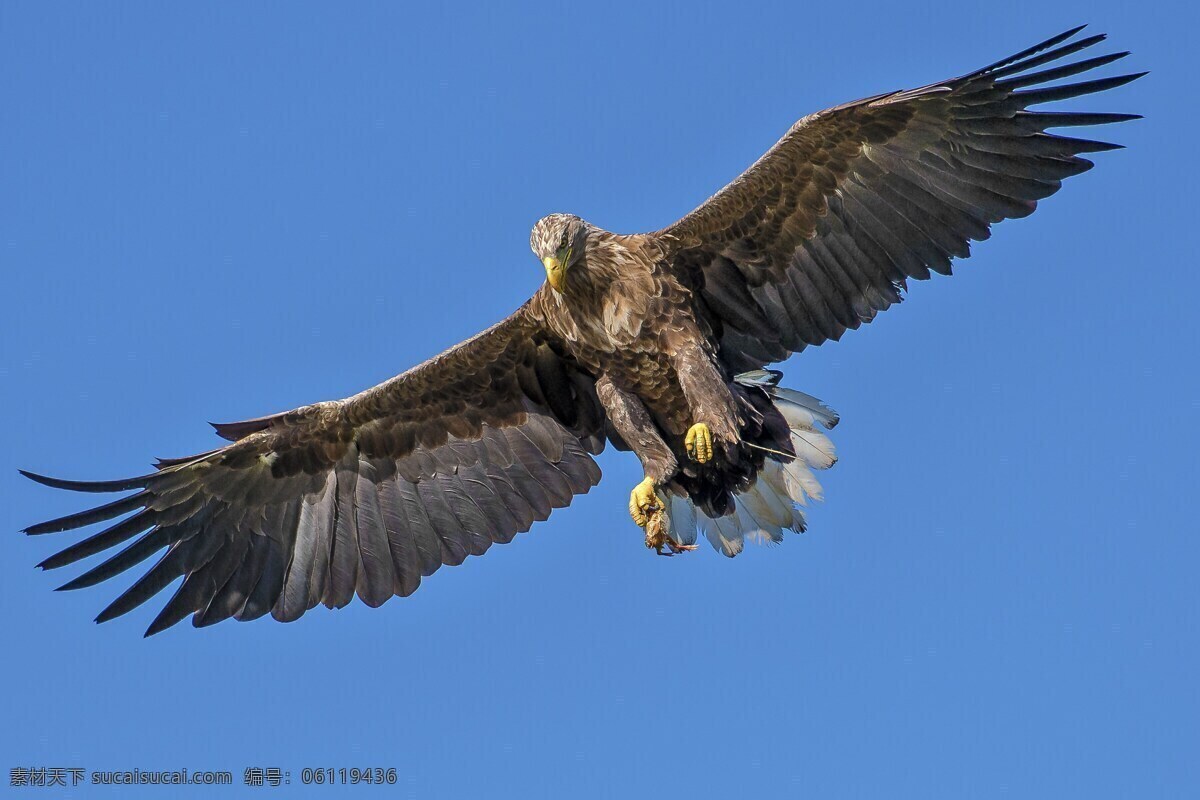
365, 495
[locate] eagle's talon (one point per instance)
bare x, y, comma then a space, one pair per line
644, 503
699, 443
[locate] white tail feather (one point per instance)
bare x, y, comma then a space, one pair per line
791, 492
757, 515
814, 448
681, 516
799, 482
722, 533
789, 401
778, 510
772, 504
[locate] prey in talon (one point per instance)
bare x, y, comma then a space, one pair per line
646, 507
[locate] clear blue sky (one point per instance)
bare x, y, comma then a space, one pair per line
214, 211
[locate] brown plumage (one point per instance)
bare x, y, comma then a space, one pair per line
654, 342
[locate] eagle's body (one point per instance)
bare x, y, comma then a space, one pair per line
626, 317
619, 314
655, 342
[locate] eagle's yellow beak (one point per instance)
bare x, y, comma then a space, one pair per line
556, 272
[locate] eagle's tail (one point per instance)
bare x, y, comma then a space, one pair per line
773, 502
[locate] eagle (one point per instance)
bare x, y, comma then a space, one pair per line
659, 343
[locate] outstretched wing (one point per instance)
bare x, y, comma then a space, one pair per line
826, 228
364, 495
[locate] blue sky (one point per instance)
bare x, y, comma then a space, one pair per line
214, 211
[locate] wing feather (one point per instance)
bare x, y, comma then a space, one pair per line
825, 230
377, 579
360, 497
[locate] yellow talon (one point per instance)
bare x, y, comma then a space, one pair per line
699, 443
644, 503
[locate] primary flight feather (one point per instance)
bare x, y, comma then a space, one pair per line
658, 343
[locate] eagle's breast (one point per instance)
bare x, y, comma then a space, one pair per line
621, 317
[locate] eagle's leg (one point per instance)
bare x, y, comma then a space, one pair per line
712, 404
647, 506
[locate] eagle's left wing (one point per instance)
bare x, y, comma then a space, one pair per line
825, 229
365, 495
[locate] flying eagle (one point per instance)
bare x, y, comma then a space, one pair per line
657, 343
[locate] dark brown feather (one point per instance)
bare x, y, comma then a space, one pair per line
911, 178
361, 496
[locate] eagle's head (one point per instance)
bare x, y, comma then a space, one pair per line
558, 240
